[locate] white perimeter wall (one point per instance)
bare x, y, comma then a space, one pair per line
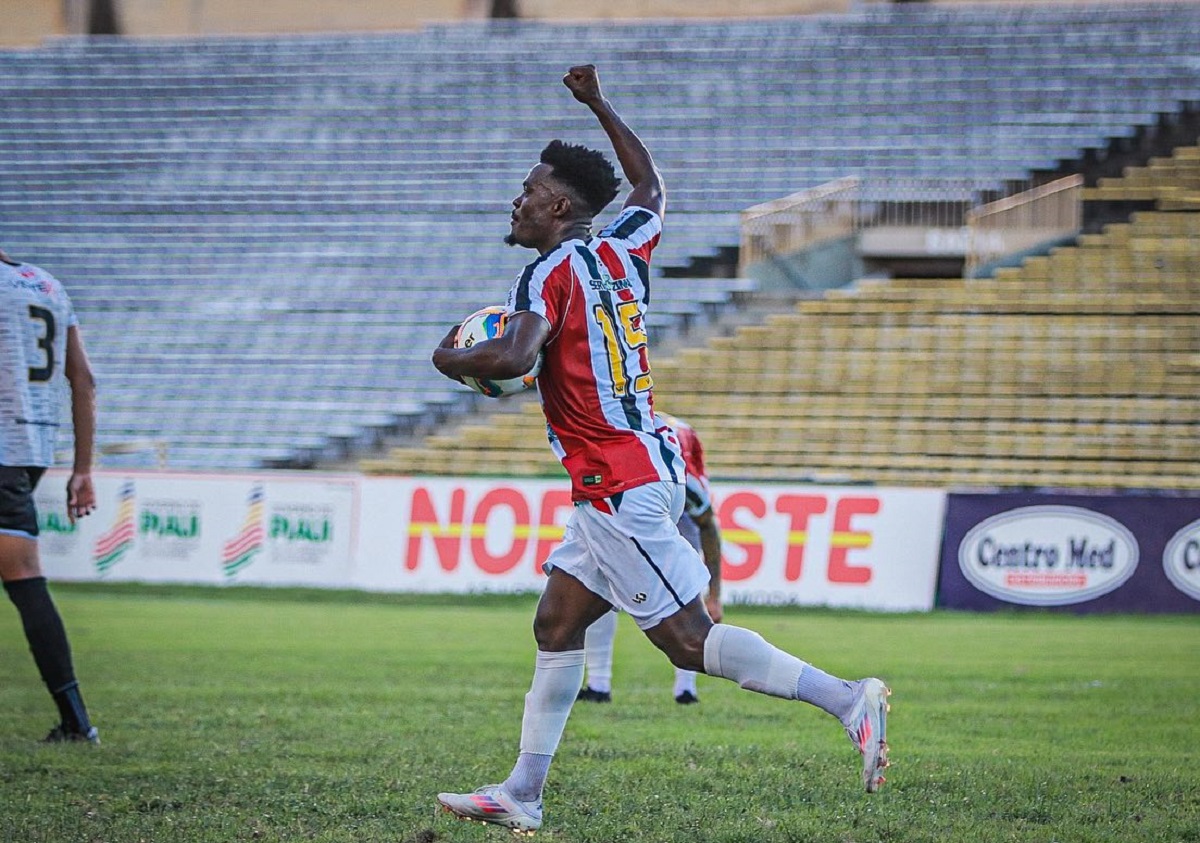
856, 546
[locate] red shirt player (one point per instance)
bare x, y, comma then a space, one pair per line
583, 303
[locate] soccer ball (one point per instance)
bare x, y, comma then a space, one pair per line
481, 326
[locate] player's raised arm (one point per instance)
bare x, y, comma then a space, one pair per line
648, 190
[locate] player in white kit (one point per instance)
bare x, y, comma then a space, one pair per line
582, 303
41, 354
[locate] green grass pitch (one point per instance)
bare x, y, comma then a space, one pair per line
250, 715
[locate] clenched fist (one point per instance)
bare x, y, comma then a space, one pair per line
584, 83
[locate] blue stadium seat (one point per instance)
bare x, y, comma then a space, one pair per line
245, 222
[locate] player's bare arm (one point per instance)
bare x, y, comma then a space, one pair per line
637, 164
81, 494
509, 355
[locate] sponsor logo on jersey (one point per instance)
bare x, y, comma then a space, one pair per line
609, 285
28, 280
601, 279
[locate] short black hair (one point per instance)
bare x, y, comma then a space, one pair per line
586, 171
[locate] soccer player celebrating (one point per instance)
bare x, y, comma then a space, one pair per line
40, 350
583, 303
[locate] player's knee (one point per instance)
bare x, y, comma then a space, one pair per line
18, 558
685, 651
554, 633
690, 658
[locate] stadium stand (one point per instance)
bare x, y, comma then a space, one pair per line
266, 236
1078, 370
1174, 183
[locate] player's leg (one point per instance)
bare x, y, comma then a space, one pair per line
598, 659
684, 690
693, 642
566, 609
21, 573
685, 687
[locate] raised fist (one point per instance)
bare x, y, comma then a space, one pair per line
584, 82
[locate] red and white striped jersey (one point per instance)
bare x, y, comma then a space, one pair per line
699, 498
595, 383
689, 445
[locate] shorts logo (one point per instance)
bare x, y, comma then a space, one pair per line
640, 597
592, 479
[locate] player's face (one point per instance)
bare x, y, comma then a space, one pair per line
533, 221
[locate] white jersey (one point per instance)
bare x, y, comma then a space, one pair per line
35, 314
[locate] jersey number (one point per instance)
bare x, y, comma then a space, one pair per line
38, 374
629, 343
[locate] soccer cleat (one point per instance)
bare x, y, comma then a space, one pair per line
687, 698
493, 804
867, 729
589, 694
61, 734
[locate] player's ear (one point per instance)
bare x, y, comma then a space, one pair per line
562, 206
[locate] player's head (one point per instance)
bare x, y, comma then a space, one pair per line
584, 172
570, 185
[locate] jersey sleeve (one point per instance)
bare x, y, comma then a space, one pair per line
695, 457
72, 317
638, 228
543, 288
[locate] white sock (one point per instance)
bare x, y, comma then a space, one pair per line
826, 692
598, 651
528, 776
747, 659
685, 680
556, 681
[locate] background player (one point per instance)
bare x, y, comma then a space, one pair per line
584, 301
41, 351
698, 525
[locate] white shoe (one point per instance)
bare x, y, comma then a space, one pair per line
493, 804
867, 729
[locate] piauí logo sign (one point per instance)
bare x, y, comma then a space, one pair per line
117, 540
1181, 560
240, 550
1048, 555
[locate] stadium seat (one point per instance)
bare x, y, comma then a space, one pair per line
262, 219
1076, 370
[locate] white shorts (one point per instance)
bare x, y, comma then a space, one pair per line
690, 530
627, 550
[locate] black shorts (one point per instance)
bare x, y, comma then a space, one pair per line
18, 515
